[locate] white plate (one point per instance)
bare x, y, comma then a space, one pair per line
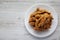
54, 22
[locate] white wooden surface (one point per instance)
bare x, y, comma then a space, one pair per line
12, 14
